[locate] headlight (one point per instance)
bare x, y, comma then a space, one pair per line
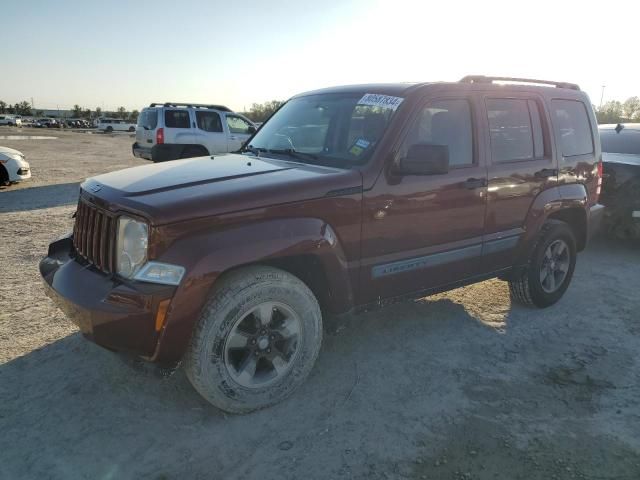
131, 252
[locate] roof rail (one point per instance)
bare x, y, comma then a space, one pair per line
484, 79
194, 105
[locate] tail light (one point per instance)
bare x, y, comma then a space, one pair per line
599, 188
160, 136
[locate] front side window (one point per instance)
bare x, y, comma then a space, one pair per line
208, 121
238, 125
572, 127
340, 129
176, 118
445, 122
511, 129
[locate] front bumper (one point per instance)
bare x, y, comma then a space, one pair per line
116, 315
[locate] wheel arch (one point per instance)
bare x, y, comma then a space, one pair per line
305, 247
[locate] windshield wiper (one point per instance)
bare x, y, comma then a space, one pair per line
255, 150
294, 154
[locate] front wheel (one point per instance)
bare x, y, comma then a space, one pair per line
256, 341
550, 268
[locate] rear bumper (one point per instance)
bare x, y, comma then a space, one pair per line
158, 153
596, 217
113, 314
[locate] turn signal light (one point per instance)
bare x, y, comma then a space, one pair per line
160, 136
161, 314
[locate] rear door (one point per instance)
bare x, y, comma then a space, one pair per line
238, 131
146, 127
209, 131
177, 126
521, 165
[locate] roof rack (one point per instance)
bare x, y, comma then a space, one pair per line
484, 79
194, 105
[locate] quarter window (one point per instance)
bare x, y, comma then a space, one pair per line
208, 121
445, 122
516, 129
572, 127
176, 118
238, 125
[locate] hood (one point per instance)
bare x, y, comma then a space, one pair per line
626, 158
12, 151
199, 187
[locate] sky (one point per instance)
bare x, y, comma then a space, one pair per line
130, 53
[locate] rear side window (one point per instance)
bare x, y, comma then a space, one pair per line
516, 129
627, 141
208, 121
445, 122
148, 119
572, 127
176, 119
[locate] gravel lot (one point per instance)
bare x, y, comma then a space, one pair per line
458, 386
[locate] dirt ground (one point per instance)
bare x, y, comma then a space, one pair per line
457, 386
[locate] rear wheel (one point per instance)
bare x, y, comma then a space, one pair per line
256, 341
132, 129
550, 268
109, 129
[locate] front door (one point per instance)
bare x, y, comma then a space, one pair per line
239, 132
425, 231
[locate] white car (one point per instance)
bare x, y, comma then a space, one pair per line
169, 131
13, 167
115, 125
11, 120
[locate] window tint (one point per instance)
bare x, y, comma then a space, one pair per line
208, 121
627, 141
148, 119
176, 118
237, 124
511, 129
572, 127
446, 122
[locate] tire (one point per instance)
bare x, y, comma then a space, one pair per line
220, 367
108, 129
131, 129
541, 283
4, 177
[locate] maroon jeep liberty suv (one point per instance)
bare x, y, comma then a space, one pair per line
346, 197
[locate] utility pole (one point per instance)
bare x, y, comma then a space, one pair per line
602, 96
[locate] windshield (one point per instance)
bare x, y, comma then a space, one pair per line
337, 129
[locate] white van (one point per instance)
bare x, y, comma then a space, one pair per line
11, 120
109, 125
169, 131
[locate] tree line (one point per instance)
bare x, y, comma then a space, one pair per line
24, 109
612, 111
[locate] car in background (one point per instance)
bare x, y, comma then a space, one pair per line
11, 120
109, 125
170, 131
621, 182
47, 123
13, 167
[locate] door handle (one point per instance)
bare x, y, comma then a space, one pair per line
472, 183
546, 173
232, 137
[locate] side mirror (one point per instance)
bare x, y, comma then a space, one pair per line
425, 159
251, 130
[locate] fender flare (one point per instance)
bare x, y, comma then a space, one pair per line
213, 253
549, 202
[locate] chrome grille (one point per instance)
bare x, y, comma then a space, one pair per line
94, 236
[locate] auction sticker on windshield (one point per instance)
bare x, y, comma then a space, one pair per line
383, 101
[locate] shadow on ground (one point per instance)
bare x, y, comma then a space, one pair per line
35, 198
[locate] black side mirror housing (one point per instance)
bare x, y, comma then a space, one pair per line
251, 129
425, 159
